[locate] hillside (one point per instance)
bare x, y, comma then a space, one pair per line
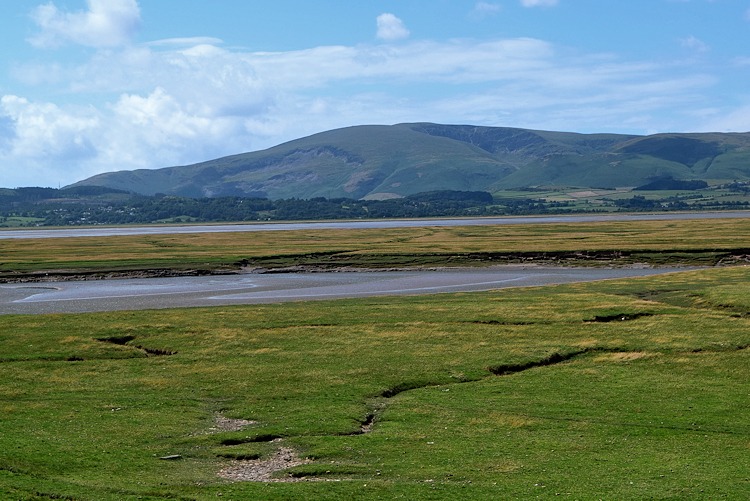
378, 161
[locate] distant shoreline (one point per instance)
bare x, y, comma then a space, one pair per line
107, 231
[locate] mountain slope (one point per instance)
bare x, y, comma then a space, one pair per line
376, 161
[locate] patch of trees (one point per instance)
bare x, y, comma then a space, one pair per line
19, 197
447, 196
669, 183
739, 186
641, 203
9, 198
638, 202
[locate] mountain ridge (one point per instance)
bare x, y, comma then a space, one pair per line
384, 161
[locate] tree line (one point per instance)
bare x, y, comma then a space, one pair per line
91, 209
91, 205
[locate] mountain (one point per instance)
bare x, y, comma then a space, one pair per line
381, 161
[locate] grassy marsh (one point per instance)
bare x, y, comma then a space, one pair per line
660, 242
625, 389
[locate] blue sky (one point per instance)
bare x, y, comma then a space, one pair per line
89, 86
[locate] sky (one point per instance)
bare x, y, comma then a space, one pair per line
91, 86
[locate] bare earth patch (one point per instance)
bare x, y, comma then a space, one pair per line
222, 423
263, 470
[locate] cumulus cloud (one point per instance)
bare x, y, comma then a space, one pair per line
390, 27
43, 130
539, 3
157, 126
46, 144
106, 23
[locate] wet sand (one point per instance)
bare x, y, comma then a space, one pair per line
177, 292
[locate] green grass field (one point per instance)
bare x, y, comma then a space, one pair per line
18, 221
627, 389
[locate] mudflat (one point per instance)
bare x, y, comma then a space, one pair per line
75, 296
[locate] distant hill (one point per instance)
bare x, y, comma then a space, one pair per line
379, 162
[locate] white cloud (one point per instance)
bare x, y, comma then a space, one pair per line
106, 23
158, 127
458, 61
482, 10
185, 42
736, 120
45, 144
694, 44
539, 3
43, 130
390, 27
